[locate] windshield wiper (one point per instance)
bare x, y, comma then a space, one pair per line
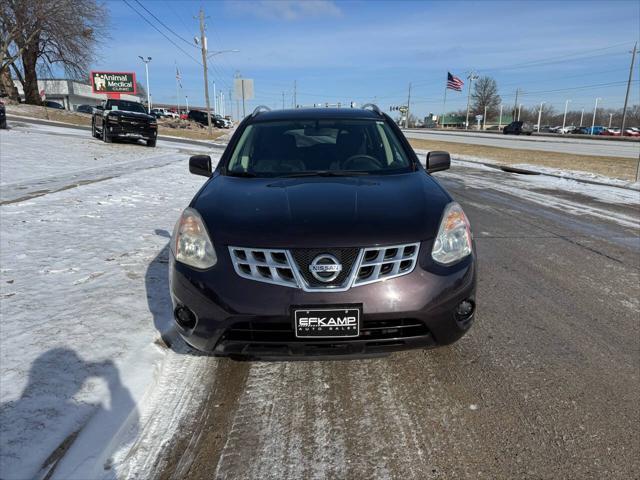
326, 173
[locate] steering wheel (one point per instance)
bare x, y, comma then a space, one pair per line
371, 163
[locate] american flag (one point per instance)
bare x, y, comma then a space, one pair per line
454, 83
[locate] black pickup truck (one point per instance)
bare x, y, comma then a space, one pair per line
124, 119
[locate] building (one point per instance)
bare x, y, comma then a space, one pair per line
70, 93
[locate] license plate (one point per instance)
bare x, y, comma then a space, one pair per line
327, 322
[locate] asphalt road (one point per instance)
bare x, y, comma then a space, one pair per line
545, 385
561, 144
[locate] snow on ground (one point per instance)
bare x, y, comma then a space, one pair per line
594, 178
578, 198
83, 302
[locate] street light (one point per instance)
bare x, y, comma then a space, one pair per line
146, 69
593, 122
540, 115
564, 118
218, 52
610, 118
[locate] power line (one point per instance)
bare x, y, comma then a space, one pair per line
165, 25
162, 33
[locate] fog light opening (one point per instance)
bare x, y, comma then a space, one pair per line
464, 312
185, 318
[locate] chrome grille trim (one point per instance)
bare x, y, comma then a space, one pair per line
278, 267
263, 265
383, 263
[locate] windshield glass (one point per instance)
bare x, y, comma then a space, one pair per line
308, 147
128, 106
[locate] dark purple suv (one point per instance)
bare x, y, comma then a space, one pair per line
320, 234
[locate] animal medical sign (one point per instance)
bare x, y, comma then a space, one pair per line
113, 82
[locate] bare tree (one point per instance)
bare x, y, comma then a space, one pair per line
485, 94
44, 34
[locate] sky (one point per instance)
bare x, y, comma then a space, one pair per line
370, 51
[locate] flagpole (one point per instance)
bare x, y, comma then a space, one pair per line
444, 102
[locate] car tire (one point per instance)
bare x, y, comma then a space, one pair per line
106, 138
151, 142
94, 133
529, 134
3, 125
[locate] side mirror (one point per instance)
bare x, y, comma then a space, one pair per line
200, 165
438, 161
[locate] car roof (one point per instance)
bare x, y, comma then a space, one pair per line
316, 113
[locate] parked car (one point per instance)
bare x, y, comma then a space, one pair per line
565, 130
596, 130
611, 132
163, 112
632, 132
51, 104
198, 116
320, 233
581, 130
554, 129
222, 122
518, 128
85, 108
124, 119
3, 116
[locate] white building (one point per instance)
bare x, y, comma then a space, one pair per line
70, 93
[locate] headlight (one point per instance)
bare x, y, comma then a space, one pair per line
453, 242
190, 241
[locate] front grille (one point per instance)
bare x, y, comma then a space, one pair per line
282, 331
290, 268
263, 265
304, 256
382, 263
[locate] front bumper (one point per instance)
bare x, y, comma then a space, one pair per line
242, 317
131, 131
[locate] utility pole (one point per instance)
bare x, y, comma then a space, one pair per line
295, 94
500, 121
203, 44
581, 116
564, 118
519, 111
626, 98
611, 118
515, 105
484, 119
472, 76
186, 99
593, 122
406, 122
146, 70
540, 116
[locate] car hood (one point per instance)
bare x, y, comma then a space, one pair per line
322, 211
127, 114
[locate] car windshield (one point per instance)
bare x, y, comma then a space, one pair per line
318, 147
127, 106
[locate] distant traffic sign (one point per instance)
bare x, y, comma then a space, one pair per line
113, 82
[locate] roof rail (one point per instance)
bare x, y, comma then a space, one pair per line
260, 108
373, 107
